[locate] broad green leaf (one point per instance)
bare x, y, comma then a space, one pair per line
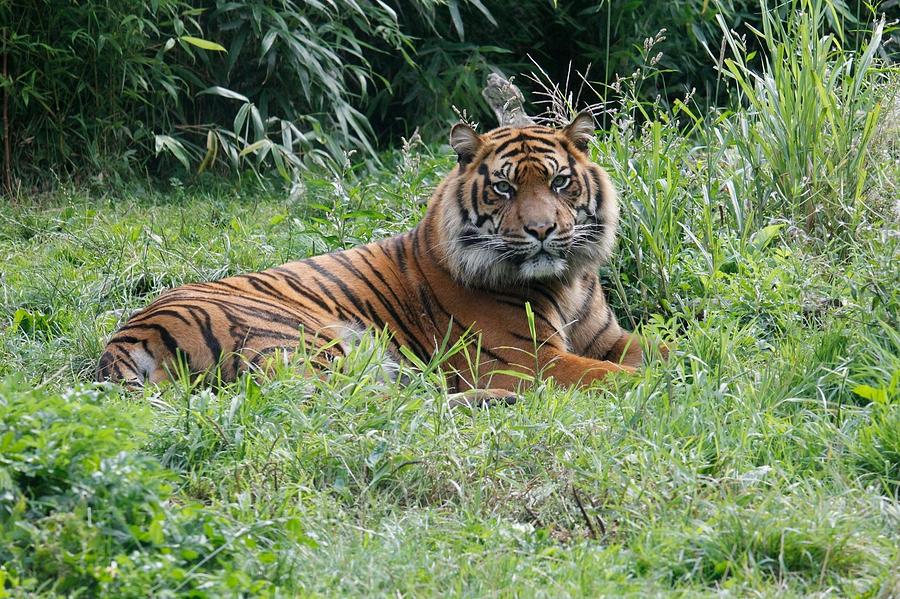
202, 43
871, 393
762, 238
256, 146
225, 93
173, 146
457, 18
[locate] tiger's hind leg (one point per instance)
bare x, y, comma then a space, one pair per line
138, 356
200, 330
131, 364
163, 353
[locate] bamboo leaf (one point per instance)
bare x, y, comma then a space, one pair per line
216, 90
256, 146
202, 43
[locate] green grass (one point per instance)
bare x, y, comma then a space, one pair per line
763, 459
745, 463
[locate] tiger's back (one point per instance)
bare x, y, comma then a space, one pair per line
238, 322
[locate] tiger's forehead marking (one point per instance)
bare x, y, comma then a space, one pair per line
526, 153
502, 132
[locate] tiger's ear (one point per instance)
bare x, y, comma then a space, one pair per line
465, 142
581, 130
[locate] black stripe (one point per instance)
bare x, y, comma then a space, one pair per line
171, 345
522, 137
338, 307
399, 247
526, 338
261, 286
295, 283
225, 285
209, 337
586, 305
426, 302
482, 170
399, 322
268, 273
104, 366
512, 153
348, 293
598, 198
588, 192
553, 302
386, 256
403, 305
129, 361
539, 154
571, 161
460, 201
601, 330
152, 312
426, 237
125, 357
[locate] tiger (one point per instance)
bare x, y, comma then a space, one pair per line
523, 218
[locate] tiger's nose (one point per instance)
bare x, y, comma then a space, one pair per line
540, 231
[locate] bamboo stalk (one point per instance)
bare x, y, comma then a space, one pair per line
7, 152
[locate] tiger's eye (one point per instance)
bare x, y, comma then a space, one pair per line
560, 181
503, 187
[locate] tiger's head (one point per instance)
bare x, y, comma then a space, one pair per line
524, 205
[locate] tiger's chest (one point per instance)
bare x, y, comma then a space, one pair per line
577, 308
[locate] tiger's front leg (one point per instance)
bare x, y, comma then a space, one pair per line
574, 370
495, 381
627, 349
569, 370
597, 333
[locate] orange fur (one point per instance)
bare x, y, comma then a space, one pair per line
524, 217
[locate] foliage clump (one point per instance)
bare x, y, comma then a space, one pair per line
105, 90
83, 510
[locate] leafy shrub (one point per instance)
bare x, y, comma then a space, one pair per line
794, 148
293, 78
88, 83
103, 87
877, 448
812, 117
82, 510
